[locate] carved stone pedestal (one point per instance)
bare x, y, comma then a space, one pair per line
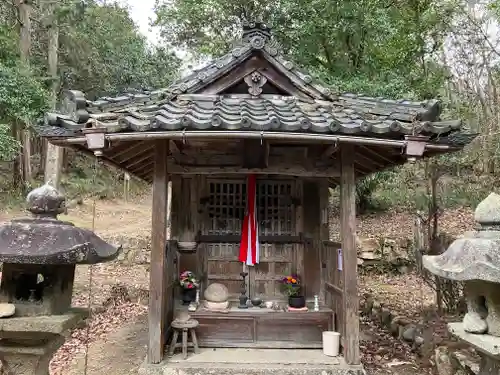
487, 346
28, 343
29, 360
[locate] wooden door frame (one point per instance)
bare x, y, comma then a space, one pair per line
296, 220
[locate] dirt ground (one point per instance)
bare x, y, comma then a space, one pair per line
117, 333
120, 353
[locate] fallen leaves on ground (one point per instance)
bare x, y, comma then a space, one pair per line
98, 326
410, 297
397, 224
112, 287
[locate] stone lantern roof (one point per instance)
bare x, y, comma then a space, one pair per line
43, 239
476, 255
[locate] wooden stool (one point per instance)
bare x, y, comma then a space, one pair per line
184, 327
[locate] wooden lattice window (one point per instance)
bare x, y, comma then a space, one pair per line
227, 205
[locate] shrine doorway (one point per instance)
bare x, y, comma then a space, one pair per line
276, 209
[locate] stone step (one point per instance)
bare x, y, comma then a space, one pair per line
240, 361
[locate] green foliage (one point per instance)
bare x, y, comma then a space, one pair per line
8, 145
102, 52
22, 96
366, 187
365, 46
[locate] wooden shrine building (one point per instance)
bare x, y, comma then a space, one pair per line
253, 111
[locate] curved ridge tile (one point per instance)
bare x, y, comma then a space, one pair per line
350, 114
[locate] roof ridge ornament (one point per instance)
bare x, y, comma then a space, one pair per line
255, 28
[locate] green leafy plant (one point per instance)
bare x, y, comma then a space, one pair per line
8, 144
367, 186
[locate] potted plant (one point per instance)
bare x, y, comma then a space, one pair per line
189, 284
293, 291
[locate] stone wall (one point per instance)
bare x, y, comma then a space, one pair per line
448, 360
136, 250
396, 324
385, 251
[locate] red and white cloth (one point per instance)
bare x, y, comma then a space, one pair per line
249, 246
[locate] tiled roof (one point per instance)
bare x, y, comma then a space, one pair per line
349, 114
179, 107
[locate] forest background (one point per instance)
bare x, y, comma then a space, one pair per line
414, 49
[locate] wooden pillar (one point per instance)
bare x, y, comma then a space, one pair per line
157, 276
349, 255
324, 202
312, 227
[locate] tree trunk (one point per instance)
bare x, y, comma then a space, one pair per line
23, 162
54, 155
17, 180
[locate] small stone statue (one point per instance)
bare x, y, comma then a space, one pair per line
216, 297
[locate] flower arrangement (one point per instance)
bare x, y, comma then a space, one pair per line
188, 280
291, 285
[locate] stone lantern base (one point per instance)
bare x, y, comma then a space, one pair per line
29, 360
487, 346
28, 343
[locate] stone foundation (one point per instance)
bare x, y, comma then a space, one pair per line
253, 362
29, 360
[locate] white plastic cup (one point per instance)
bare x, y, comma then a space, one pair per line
331, 343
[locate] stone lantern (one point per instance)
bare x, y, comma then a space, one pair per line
39, 256
475, 260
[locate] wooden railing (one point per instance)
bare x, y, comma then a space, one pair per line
334, 291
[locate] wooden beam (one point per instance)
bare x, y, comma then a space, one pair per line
157, 276
374, 164
285, 170
125, 148
329, 151
334, 288
146, 157
236, 238
255, 154
377, 155
106, 160
137, 153
349, 254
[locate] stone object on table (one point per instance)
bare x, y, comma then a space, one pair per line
216, 297
7, 310
182, 316
216, 292
256, 302
276, 306
216, 306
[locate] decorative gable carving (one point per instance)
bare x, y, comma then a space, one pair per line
256, 42
255, 82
